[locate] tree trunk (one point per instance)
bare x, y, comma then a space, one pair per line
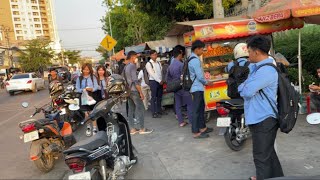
218, 9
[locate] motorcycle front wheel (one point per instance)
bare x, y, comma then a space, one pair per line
230, 138
45, 162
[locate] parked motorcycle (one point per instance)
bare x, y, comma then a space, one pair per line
48, 137
232, 119
109, 153
68, 102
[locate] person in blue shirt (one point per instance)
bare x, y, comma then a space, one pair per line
199, 128
181, 97
241, 55
259, 114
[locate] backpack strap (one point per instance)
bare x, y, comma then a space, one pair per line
125, 76
189, 59
261, 92
246, 64
80, 79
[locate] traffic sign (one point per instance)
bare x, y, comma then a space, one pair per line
108, 43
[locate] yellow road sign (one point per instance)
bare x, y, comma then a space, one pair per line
108, 43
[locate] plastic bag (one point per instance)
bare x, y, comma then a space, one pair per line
86, 99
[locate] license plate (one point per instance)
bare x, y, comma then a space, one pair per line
63, 111
30, 136
223, 122
82, 176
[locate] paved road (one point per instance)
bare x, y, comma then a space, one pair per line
169, 153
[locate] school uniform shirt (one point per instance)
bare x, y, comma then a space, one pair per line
141, 77
155, 73
86, 82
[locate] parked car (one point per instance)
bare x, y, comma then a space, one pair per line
24, 82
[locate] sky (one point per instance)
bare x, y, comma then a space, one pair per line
79, 25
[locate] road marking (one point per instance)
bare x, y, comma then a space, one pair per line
7, 120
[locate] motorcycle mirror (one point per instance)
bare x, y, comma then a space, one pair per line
25, 104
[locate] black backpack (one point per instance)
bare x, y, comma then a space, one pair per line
186, 79
288, 99
237, 75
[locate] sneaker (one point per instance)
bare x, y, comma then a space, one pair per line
88, 131
156, 115
146, 131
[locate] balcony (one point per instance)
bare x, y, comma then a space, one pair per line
15, 7
18, 26
34, 7
16, 13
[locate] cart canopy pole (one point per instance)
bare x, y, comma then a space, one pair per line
300, 62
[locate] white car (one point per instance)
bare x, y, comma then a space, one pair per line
24, 82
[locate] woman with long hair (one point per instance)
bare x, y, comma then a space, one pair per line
103, 75
87, 82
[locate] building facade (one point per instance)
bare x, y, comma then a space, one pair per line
22, 20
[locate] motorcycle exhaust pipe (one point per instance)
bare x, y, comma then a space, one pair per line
103, 168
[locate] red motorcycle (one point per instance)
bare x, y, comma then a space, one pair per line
48, 136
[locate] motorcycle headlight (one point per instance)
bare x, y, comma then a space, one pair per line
70, 88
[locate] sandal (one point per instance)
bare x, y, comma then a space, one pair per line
253, 178
146, 131
201, 136
183, 124
134, 131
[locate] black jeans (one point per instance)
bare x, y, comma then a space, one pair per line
156, 96
198, 108
264, 155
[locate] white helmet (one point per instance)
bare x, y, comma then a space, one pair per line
240, 50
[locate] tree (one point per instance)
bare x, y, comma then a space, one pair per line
104, 53
37, 55
73, 56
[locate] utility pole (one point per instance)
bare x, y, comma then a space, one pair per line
109, 17
218, 11
6, 31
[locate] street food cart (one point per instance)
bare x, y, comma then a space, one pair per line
220, 36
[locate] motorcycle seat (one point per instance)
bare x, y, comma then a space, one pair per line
233, 102
90, 144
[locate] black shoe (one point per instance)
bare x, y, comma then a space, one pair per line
156, 115
201, 136
163, 113
208, 130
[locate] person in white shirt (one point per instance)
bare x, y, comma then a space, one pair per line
154, 70
144, 87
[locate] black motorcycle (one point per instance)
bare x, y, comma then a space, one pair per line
109, 153
232, 119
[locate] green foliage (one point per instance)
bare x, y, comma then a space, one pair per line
104, 53
36, 55
307, 78
138, 21
73, 56
287, 44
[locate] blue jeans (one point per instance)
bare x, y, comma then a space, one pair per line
136, 109
181, 98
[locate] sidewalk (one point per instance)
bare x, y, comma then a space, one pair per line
170, 152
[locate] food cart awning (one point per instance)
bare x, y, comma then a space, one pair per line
119, 55
285, 9
138, 48
209, 30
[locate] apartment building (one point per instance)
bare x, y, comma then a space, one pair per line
27, 19
22, 20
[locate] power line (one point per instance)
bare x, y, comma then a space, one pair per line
79, 29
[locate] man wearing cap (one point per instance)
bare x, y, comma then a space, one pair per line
154, 70
136, 107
